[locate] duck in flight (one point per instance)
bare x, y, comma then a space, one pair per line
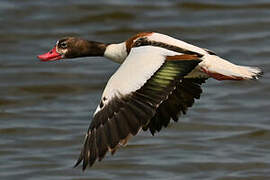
158, 80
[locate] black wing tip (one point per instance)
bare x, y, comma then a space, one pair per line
83, 157
77, 163
85, 163
153, 131
258, 75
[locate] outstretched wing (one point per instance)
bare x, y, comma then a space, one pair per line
131, 98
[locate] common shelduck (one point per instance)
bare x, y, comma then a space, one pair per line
158, 80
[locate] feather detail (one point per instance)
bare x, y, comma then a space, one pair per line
125, 114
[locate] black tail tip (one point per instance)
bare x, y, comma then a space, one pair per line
258, 75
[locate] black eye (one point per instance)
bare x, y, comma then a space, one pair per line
63, 45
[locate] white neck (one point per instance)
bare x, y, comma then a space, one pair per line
116, 52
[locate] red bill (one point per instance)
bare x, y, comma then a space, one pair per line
52, 55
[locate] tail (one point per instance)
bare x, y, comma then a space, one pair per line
221, 69
248, 72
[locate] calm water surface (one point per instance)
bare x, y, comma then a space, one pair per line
45, 108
